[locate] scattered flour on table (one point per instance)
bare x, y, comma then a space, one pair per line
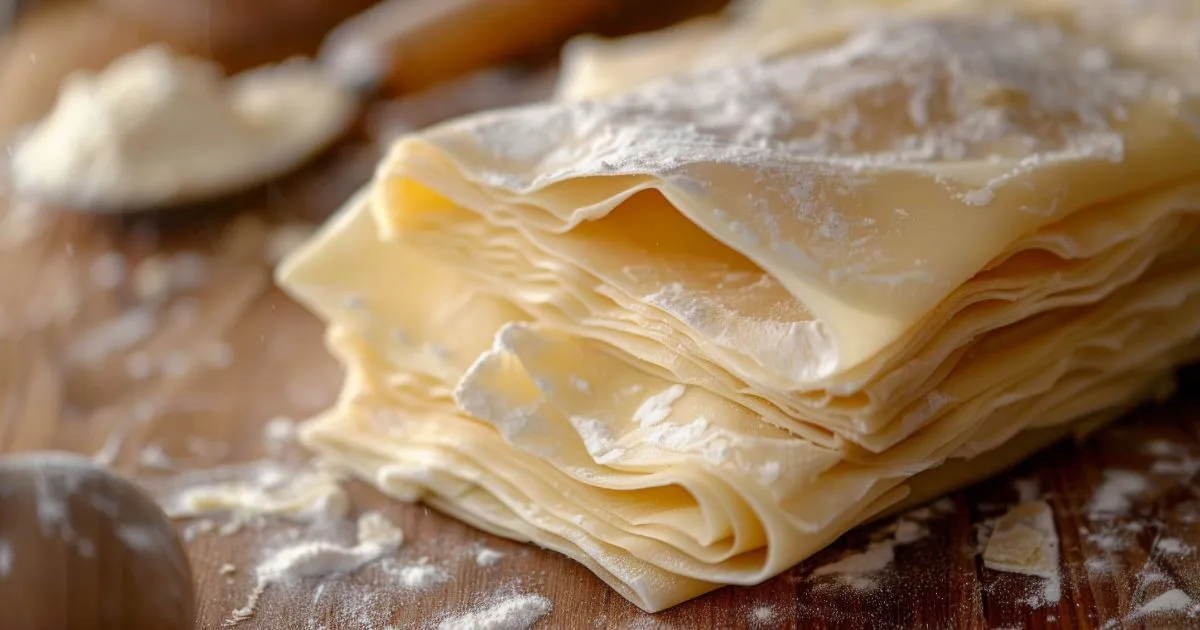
278, 433
1134, 527
1171, 458
159, 276
422, 576
1150, 576
121, 332
762, 615
513, 612
153, 456
1173, 547
111, 449
198, 527
1109, 540
641, 622
1049, 596
377, 537
1173, 600
139, 413
909, 532
419, 576
208, 449
1161, 448
487, 557
1116, 494
1181, 468
858, 570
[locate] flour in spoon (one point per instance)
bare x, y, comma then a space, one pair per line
156, 128
142, 117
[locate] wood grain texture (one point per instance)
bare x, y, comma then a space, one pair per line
208, 416
115, 536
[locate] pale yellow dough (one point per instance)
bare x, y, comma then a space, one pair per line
689, 330
1024, 541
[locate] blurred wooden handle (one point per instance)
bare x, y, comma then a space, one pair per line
407, 45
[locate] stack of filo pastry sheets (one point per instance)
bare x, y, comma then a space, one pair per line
690, 326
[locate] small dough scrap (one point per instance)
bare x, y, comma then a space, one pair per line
1024, 541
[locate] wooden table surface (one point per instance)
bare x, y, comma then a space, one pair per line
65, 386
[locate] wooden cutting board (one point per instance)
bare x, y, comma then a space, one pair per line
232, 352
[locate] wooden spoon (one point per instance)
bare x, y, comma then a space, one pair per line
401, 45
408, 45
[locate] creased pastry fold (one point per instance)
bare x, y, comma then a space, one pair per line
690, 332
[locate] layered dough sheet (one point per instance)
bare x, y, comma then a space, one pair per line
1162, 31
688, 329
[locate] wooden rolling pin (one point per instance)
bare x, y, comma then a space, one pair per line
407, 45
394, 45
83, 549
238, 34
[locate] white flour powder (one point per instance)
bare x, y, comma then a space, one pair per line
153, 127
656, 408
487, 557
515, 612
1116, 494
1172, 547
1173, 600
118, 333
153, 456
377, 537
417, 576
858, 570
761, 615
278, 433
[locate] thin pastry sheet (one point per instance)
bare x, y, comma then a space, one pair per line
688, 330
